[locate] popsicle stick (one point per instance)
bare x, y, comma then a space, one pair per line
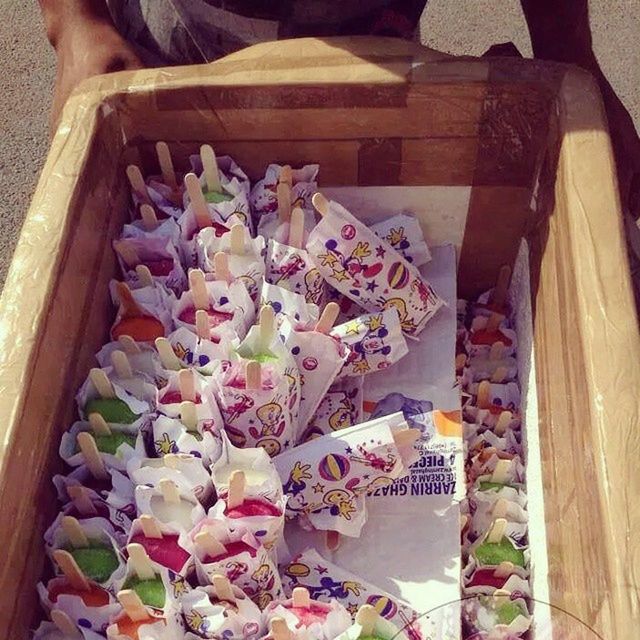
203, 331
253, 375
320, 203
168, 357
74, 532
150, 526
501, 596
171, 460
237, 484
169, 491
71, 570
65, 623
129, 345
500, 508
497, 351
296, 228
461, 360
101, 383
149, 217
501, 472
280, 630
208, 543
121, 364
132, 605
187, 385
283, 192
499, 375
494, 321
237, 239
137, 182
113, 633
504, 569
99, 425
188, 415
503, 422
91, 455
140, 562
500, 291
129, 308
81, 500
267, 322
198, 203
223, 588
328, 317
406, 437
144, 275
286, 175
367, 617
166, 165
497, 531
210, 167
483, 400
221, 266
332, 540
301, 597
127, 252
198, 289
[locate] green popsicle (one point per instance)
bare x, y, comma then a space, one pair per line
151, 592
113, 410
110, 443
97, 561
494, 553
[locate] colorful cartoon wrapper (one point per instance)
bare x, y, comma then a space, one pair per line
204, 356
485, 614
340, 408
145, 361
404, 234
55, 538
294, 270
326, 581
369, 271
328, 478
375, 340
182, 517
172, 436
208, 617
290, 304
162, 196
49, 631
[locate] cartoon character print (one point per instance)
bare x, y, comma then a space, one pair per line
296, 482
397, 238
294, 265
328, 587
369, 459
343, 416
415, 412
406, 322
234, 570
265, 582
242, 404
198, 623
314, 284
363, 353
250, 282
340, 503
165, 445
270, 445
272, 420
355, 265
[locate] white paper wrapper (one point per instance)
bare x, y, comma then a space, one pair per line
146, 361
404, 234
326, 581
479, 340
340, 408
501, 396
162, 196
171, 436
337, 621
209, 618
232, 299
485, 582
140, 385
54, 536
484, 307
183, 469
515, 535
481, 615
168, 627
204, 355
294, 270
328, 478
182, 517
375, 340
482, 465
509, 443
290, 304
261, 477
369, 271
88, 392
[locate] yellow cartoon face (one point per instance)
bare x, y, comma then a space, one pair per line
340, 419
340, 502
269, 414
270, 445
262, 574
314, 283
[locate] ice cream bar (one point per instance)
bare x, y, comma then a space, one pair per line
497, 548
170, 507
112, 410
162, 548
134, 322
134, 617
145, 582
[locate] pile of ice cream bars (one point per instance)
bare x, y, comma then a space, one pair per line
228, 404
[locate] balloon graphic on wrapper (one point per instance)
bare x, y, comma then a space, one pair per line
334, 467
398, 276
348, 232
297, 570
386, 607
310, 363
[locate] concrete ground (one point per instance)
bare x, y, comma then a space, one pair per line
454, 26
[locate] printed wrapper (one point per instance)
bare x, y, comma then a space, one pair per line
167, 627
328, 478
167, 228
247, 268
369, 271
88, 392
486, 418
141, 386
215, 619
183, 541
349, 310
71, 454
294, 270
289, 304
501, 396
503, 334
146, 496
82, 477
95, 619
319, 358
48, 631
340, 408
231, 298
475, 441
479, 616
146, 361
185, 470
207, 410
338, 620
108, 519
268, 530
515, 532
270, 225
472, 584
122, 494
204, 356
261, 477
256, 575
150, 249
482, 307
404, 234
162, 196
264, 196
482, 465
382, 629
483, 368
326, 581
157, 300
190, 229
375, 340
171, 436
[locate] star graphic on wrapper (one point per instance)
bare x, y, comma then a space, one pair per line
179, 585
352, 609
361, 366
375, 322
165, 444
371, 286
348, 450
339, 275
352, 328
321, 570
318, 488
328, 259
380, 251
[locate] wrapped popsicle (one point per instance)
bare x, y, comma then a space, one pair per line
138, 622
137, 383
368, 270
142, 358
289, 304
348, 465
488, 330
137, 319
502, 543
501, 614
495, 366
370, 625
183, 348
404, 234
63, 627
